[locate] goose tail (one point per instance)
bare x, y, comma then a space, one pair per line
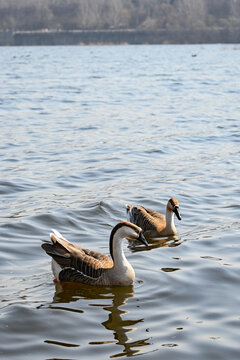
57, 237
58, 247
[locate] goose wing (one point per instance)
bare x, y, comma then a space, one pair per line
147, 219
156, 214
78, 264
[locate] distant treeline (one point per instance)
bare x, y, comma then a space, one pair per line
32, 15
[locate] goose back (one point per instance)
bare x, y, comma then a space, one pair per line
149, 220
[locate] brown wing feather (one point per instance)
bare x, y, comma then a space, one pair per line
150, 221
82, 262
60, 242
86, 269
89, 265
105, 260
142, 218
69, 274
59, 254
156, 214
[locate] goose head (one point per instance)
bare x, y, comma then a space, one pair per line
173, 206
126, 230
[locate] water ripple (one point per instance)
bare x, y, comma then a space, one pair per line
133, 125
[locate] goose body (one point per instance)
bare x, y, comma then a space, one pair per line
73, 263
153, 223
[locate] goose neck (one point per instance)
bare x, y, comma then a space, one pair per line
116, 249
170, 220
122, 271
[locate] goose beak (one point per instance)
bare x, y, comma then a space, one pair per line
177, 213
142, 239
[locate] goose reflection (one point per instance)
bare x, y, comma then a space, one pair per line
154, 243
117, 308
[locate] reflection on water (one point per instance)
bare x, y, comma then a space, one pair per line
67, 293
121, 327
60, 343
169, 241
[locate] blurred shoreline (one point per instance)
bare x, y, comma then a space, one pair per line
131, 37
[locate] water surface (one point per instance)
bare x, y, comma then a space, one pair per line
85, 130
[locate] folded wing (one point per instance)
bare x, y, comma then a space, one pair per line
77, 264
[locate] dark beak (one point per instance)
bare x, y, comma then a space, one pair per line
177, 213
142, 239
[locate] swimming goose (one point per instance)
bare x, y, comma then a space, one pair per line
152, 223
73, 263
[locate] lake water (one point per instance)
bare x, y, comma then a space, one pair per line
85, 130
